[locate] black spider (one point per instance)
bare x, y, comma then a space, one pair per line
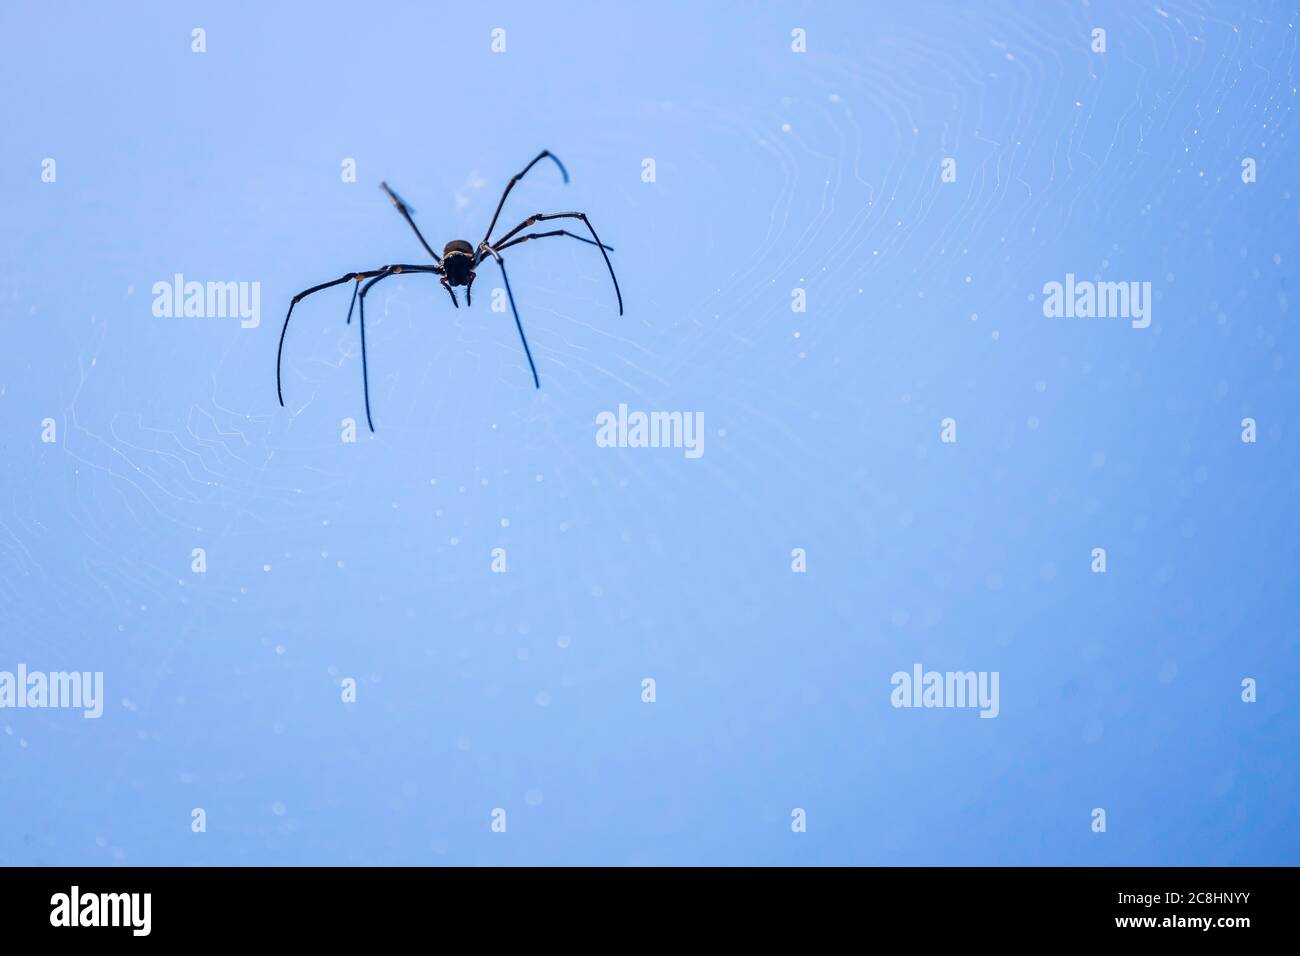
456, 266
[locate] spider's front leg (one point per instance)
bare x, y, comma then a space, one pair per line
469, 285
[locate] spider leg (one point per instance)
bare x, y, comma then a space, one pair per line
519, 325
511, 185
279, 353
405, 210
365, 373
544, 235
543, 217
469, 285
382, 274
352, 305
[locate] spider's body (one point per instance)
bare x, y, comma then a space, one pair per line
458, 262
455, 267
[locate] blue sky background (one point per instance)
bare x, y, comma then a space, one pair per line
775, 171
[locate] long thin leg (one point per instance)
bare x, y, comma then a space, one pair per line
279, 353
365, 372
544, 235
383, 274
543, 217
405, 210
353, 304
519, 325
511, 185
395, 270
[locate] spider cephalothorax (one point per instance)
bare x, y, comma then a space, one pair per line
455, 267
